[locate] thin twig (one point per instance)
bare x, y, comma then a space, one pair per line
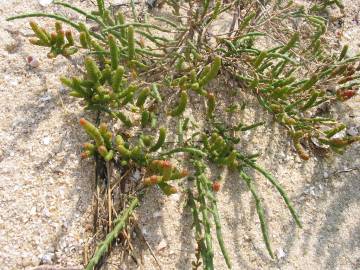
139, 231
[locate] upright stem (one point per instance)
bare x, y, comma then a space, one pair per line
201, 187
111, 236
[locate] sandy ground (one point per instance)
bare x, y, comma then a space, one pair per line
45, 189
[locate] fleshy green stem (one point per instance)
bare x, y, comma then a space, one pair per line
260, 212
219, 236
190, 150
53, 16
279, 188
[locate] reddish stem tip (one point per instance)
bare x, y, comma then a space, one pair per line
84, 155
216, 186
166, 164
82, 121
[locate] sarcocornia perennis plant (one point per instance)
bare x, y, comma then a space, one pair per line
144, 73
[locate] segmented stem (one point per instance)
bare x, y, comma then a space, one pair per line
190, 150
260, 211
53, 16
219, 236
80, 11
201, 188
279, 188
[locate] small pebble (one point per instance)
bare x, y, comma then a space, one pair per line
45, 98
46, 141
144, 231
352, 131
48, 258
118, 2
282, 155
63, 89
280, 253
46, 213
13, 82
45, 3
33, 62
157, 214
122, 2
175, 197
33, 211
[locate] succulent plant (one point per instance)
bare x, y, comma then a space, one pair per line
131, 65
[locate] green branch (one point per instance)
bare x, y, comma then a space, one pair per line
53, 16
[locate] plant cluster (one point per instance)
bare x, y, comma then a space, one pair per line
130, 65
